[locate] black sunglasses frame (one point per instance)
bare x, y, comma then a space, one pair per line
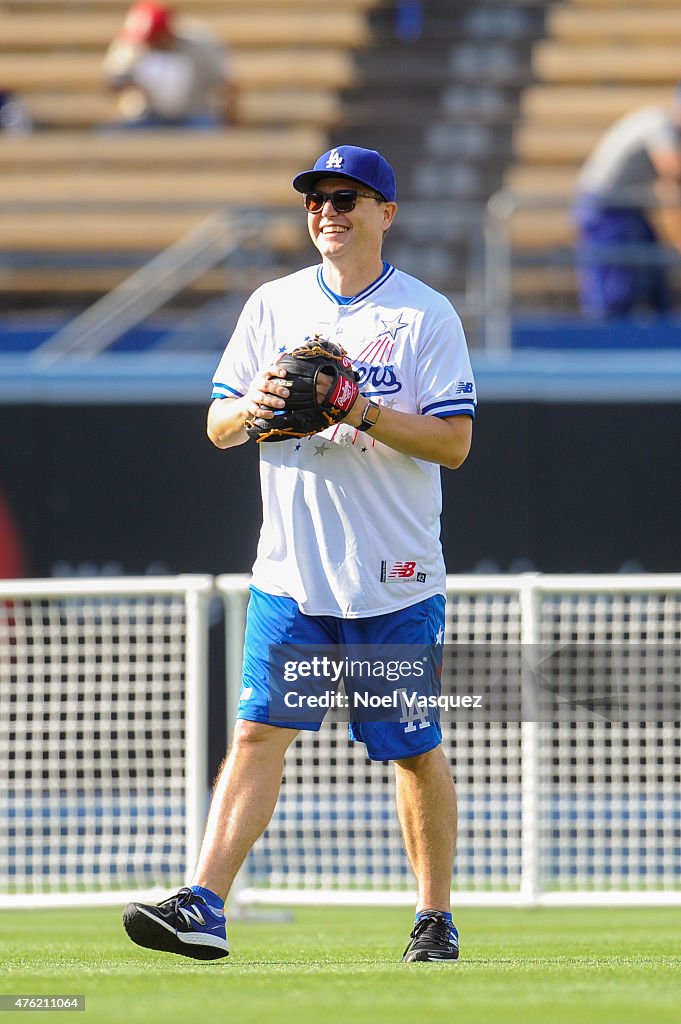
347, 196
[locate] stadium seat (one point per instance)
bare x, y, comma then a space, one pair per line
646, 23
239, 28
581, 105
558, 61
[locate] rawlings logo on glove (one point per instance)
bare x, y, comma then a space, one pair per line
310, 408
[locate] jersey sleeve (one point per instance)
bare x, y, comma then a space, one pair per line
444, 378
240, 362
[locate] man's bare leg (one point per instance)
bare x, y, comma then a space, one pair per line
244, 798
426, 807
243, 802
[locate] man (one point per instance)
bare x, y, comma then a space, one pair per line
636, 165
168, 71
339, 507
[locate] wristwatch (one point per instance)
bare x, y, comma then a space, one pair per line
372, 411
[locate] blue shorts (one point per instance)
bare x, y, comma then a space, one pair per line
275, 620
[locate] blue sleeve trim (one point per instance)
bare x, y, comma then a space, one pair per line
448, 403
224, 391
469, 411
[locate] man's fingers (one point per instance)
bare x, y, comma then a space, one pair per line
269, 381
266, 393
324, 382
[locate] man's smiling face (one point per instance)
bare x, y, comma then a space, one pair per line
358, 233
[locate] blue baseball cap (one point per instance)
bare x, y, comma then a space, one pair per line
364, 165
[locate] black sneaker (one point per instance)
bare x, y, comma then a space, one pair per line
433, 938
184, 924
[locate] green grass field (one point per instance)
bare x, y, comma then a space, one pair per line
606, 966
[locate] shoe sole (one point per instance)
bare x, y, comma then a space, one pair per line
424, 956
144, 932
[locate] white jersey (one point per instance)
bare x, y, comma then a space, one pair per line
351, 527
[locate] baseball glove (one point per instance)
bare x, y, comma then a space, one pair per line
305, 412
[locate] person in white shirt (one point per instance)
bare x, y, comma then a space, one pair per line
169, 71
349, 552
634, 169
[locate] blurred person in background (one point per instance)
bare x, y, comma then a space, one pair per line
635, 167
169, 71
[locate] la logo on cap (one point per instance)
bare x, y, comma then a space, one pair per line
335, 159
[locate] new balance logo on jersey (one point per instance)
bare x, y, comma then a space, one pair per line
401, 571
335, 160
464, 387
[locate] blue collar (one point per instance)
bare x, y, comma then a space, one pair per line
347, 300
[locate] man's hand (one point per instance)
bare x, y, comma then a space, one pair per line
266, 394
320, 389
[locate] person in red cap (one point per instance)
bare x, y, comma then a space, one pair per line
169, 71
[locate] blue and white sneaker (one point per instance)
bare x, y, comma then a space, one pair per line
184, 924
433, 938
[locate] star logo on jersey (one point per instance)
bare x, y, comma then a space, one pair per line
391, 327
377, 376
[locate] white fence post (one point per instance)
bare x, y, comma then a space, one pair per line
196, 601
530, 885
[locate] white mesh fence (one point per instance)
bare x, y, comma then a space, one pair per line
609, 794
95, 722
103, 747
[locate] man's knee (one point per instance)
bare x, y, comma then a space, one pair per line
421, 762
258, 735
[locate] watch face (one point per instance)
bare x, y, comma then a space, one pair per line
370, 416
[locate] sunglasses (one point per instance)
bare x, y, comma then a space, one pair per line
343, 201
